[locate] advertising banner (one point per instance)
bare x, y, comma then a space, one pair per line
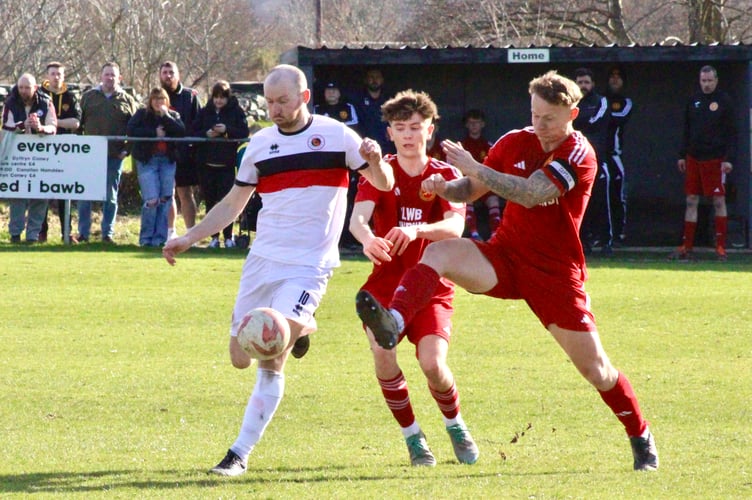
60, 167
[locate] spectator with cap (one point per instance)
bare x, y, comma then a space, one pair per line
334, 107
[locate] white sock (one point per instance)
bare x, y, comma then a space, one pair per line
454, 421
264, 400
411, 429
399, 318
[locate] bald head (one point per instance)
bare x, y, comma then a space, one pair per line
287, 75
27, 86
286, 92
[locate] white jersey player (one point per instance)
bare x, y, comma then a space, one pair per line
300, 167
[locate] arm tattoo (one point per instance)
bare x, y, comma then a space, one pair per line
528, 192
458, 190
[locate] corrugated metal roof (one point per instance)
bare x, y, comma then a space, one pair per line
393, 53
417, 46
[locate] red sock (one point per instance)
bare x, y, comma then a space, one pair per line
449, 401
623, 402
721, 228
398, 400
470, 220
414, 291
689, 234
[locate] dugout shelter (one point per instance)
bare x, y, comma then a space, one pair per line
659, 79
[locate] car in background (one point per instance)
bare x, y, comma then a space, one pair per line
251, 98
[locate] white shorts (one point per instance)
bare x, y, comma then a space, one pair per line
295, 291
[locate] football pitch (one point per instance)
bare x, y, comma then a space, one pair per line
116, 383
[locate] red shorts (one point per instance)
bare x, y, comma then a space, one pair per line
704, 178
554, 299
434, 319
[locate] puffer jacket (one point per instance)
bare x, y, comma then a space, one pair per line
144, 124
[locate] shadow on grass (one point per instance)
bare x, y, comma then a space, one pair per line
99, 481
738, 260
131, 250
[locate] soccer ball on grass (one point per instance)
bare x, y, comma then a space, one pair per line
263, 333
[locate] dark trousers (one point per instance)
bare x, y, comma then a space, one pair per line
215, 183
596, 227
617, 196
61, 214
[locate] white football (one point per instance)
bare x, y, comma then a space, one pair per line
263, 333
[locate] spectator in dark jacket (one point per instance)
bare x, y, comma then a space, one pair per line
222, 118
28, 111
68, 114
184, 100
155, 162
593, 121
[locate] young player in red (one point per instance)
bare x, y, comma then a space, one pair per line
546, 173
405, 220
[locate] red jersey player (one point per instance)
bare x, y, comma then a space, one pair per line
546, 173
405, 220
478, 146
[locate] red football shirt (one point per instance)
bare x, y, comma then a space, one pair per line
547, 235
477, 147
406, 205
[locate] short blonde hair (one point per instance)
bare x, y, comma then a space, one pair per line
556, 89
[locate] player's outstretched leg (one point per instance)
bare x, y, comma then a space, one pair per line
644, 451
420, 453
464, 446
231, 465
381, 322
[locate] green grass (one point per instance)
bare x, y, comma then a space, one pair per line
116, 383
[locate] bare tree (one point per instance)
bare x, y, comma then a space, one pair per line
343, 22
209, 39
234, 39
582, 22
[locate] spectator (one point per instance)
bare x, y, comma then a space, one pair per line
221, 118
334, 107
368, 106
68, 120
404, 222
105, 110
184, 100
621, 110
155, 163
478, 146
593, 122
707, 155
28, 111
344, 112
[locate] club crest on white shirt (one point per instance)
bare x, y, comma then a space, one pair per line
316, 142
